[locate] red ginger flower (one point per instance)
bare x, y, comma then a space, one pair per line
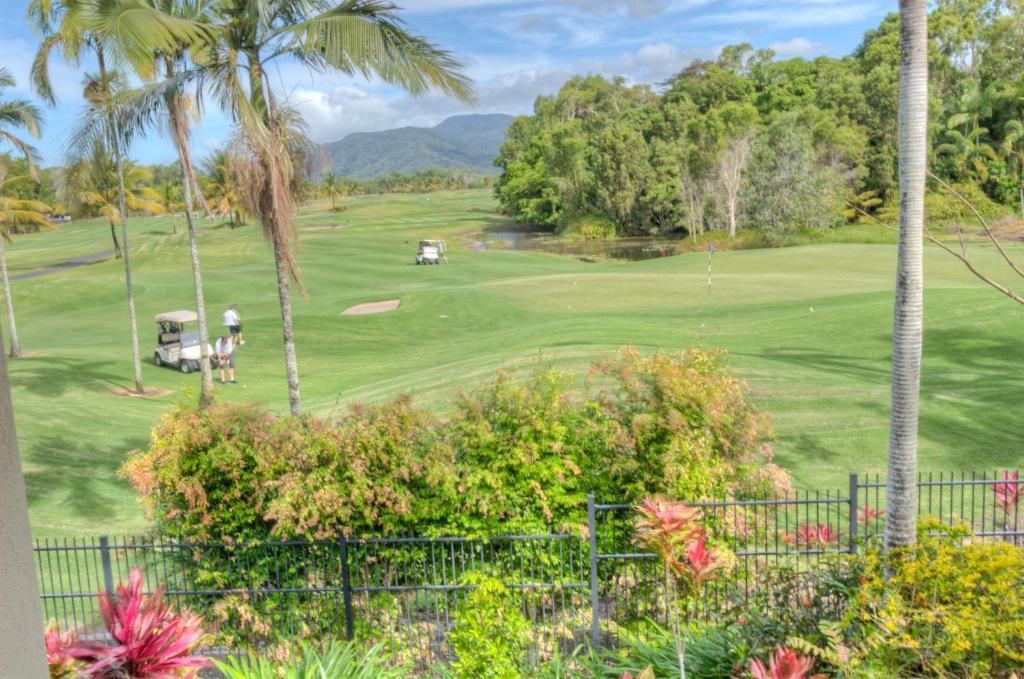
673, 530
703, 562
784, 664
1009, 491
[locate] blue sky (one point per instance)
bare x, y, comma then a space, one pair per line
514, 49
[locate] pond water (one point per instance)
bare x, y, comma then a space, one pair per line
630, 249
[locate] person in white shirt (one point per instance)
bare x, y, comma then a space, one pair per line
225, 350
233, 320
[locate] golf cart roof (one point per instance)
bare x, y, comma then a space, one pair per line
182, 316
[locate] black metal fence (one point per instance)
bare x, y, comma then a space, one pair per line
596, 587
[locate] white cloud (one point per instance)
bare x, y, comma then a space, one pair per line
634, 9
797, 47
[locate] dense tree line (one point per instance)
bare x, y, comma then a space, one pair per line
750, 141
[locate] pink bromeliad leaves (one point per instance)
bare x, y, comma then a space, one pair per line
808, 536
151, 640
1009, 491
673, 530
869, 515
785, 663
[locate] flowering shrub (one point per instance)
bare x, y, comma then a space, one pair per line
949, 607
785, 663
514, 456
151, 641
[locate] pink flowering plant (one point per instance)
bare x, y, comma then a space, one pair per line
673, 530
808, 536
151, 641
785, 663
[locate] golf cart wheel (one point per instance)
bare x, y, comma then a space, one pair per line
157, 361
185, 367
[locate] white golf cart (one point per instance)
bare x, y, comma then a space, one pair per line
431, 252
176, 346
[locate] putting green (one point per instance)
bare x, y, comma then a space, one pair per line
807, 327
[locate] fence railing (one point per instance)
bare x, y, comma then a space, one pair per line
594, 587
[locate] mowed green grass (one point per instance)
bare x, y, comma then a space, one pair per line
808, 328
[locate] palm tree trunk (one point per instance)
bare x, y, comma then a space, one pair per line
23, 654
180, 135
12, 329
291, 363
908, 315
123, 216
113, 236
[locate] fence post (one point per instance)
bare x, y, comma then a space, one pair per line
595, 614
854, 505
108, 571
346, 590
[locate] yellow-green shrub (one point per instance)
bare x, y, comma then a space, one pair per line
951, 606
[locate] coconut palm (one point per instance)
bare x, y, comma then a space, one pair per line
80, 27
900, 526
15, 114
167, 99
352, 36
333, 187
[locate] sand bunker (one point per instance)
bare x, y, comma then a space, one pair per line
371, 308
149, 393
325, 228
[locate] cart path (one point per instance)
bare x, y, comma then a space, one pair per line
69, 264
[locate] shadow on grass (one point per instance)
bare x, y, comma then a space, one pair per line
972, 391
76, 476
56, 377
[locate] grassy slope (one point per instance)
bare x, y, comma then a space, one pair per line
823, 375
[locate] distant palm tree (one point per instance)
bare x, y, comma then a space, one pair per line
908, 316
222, 189
352, 36
1013, 148
333, 187
15, 114
170, 198
99, 188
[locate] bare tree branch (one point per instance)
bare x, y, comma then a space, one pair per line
962, 257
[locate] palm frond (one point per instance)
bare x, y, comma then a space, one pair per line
367, 37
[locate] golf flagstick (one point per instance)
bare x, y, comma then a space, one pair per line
711, 251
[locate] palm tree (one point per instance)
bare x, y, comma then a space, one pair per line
222, 189
908, 315
168, 100
15, 114
15, 212
332, 186
1013, 149
75, 27
352, 36
99, 186
170, 198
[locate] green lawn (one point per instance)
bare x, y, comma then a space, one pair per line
822, 375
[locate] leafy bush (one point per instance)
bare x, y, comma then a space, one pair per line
590, 227
515, 455
949, 607
489, 635
337, 660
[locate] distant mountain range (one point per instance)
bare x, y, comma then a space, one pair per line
461, 142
